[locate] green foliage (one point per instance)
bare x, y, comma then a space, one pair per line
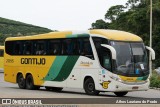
134, 17
100, 24
155, 80
10, 28
114, 12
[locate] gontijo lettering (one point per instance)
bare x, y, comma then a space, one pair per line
37, 61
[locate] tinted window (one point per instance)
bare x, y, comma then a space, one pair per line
17, 48
54, 47
98, 41
40, 47
70, 47
85, 48
103, 53
9, 47
27, 50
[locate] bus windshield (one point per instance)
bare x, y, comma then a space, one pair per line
131, 59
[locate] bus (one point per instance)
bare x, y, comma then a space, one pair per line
94, 60
1, 57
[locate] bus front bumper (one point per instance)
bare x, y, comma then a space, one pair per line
116, 86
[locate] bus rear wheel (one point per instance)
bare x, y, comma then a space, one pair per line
120, 94
21, 81
30, 83
89, 87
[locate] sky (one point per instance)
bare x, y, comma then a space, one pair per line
57, 14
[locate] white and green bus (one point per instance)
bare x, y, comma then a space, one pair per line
94, 60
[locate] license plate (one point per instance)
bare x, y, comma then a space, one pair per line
135, 88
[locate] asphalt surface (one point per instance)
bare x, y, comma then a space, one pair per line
10, 90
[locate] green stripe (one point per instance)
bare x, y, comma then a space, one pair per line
55, 68
71, 36
77, 35
143, 78
67, 68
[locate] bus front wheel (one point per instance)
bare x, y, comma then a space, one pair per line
89, 87
21, 81
120, 94
30, 83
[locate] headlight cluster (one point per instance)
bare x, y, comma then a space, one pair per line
116, 78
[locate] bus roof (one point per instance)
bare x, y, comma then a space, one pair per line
116, 35
1, 47
109, 34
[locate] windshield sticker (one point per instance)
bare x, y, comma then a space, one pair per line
137, 51
142, 66
137, 71
103, 71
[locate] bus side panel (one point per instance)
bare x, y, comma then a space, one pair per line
1, 62
27, 65
62, 67
87, 67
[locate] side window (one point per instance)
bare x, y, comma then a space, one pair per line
103, 53
1, 53
85, 48
17, 48
27, 50
106, 59
54, 47
98, 41
9, 47
40, 47
69, 47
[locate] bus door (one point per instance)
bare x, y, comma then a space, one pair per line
105, 62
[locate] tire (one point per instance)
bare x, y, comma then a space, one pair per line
89, 87
21, 81
30, 83
48, 88
120, 94
57, 89
37, 87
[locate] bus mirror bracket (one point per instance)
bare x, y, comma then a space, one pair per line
152, 52
113, 51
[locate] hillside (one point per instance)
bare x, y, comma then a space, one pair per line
10, 28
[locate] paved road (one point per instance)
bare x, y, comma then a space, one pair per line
9, 90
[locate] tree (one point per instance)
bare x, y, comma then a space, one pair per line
113, 12
134, 17
100, 24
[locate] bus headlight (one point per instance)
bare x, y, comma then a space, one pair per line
116, 78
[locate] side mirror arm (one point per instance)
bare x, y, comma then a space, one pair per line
152, 52
113, 51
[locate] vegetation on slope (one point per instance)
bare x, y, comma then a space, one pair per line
12, 28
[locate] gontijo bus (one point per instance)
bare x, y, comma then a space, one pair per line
95, 60
1, 56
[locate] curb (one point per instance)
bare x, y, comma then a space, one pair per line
155, 88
